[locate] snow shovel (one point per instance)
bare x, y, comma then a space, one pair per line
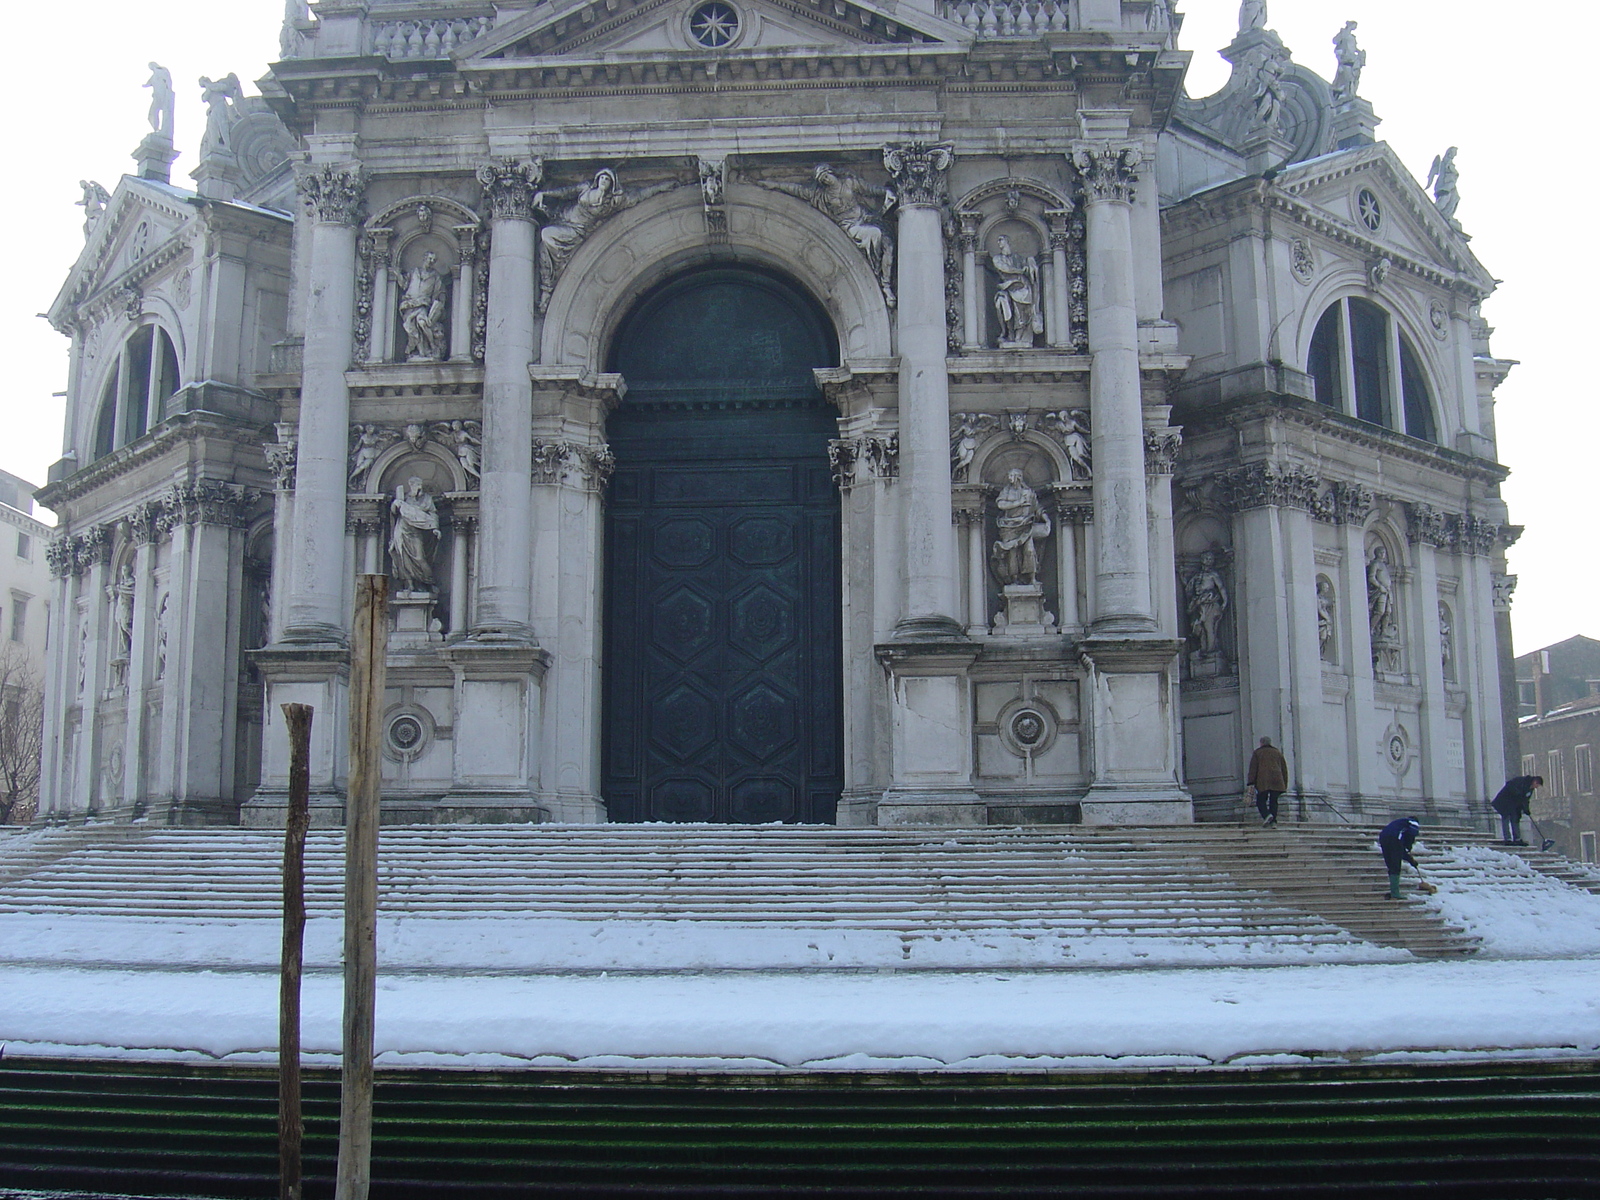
1544, 842
1423, 886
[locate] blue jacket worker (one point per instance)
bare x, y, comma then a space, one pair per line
1513, 802
1396, 841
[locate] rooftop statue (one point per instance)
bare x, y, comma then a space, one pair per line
1252, 15
1347, 79
163, 102
1442, 177
220, 95
1269, 97
95, 199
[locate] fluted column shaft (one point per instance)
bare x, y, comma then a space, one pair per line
505, 522
1121, 505
316, 603
924, 398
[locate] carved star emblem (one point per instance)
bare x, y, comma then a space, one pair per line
1371, 211
714, 25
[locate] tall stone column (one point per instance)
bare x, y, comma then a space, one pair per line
316, 603
930, 545
505, 526
1121, 572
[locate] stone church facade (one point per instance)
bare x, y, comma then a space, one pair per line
769, 410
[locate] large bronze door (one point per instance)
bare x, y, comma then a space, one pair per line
722, 636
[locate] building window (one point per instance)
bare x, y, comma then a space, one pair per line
19, 618
1586, 841
1528, 767
1585, 765
144, 379
1553, 784
1365, 367
24, 546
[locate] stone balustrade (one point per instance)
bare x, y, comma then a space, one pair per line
1008, 18
426, 38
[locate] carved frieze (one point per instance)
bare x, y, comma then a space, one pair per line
920, 172
334, 192
1262, 485
1465, 533
509, 185
1109, 170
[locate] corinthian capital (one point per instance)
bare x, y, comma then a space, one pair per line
918, 170
1109, 170
334, 191
508, 186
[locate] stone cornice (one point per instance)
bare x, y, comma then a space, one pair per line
1373, 439
192, 502
177, 431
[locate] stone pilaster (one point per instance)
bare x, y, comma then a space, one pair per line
504, 610
1109, 171
316, 609
930, 564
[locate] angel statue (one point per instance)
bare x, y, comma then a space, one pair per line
465, 440
1072, 426
1016, 299
219, 95
1442, 177
95, 199
966, 429
856, 207
573, 213
370, 441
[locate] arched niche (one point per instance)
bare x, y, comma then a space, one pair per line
1022, 268
641, 247
395, 247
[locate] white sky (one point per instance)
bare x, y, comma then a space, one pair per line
1469, 74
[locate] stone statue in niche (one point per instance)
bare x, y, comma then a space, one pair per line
1252, 15
161, 637
83, 658
1206, 601
1443, 177
219, 96
1351, 59
121, 593
1022, 524
1016, 297
1071, 425
465, 440
422, 311
1446, 640
1381, 619
857, 208
573, 213
1325, 619
415, 536
163, 101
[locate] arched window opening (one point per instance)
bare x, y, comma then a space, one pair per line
135, 397
1416, 400
1363, 366
1323, 365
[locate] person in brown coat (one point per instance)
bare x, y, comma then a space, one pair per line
1269, 779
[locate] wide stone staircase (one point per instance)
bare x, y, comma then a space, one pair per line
933, 899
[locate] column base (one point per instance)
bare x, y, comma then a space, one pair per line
932, 808
301, 636
932, 628
504, 632
1126, 627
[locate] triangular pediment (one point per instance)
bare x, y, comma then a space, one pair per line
605, 28
138, 229
1406, 219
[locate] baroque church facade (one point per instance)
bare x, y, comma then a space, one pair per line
779, 410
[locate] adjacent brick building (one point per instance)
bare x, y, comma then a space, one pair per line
1559, 728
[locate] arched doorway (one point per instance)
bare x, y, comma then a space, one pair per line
722, 664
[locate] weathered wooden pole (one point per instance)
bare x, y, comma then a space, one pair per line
291, 1122
368, 660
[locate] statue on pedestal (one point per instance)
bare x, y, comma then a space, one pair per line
1022, 524
416, 533
163, 101
1252, 15
1443, 177
219, 95
1016, 299
1351, 59
1206, 600
1381, 619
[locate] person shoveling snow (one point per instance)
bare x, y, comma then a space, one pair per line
1396, 840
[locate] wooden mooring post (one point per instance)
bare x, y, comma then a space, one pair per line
369, 649
291, 1120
